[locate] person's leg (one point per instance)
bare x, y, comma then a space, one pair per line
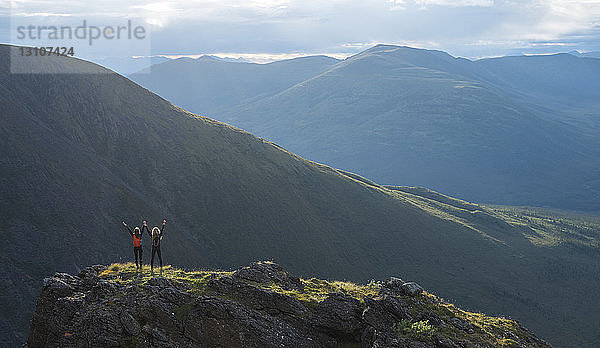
141, 251
159, 258
152, 259
135, 253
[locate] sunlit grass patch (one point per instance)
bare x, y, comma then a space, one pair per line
128, 273
316, 290
488, 329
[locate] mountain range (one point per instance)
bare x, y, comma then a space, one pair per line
519, 130
85, 148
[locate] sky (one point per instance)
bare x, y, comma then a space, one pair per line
274, 29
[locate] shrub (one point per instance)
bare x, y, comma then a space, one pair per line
420, 330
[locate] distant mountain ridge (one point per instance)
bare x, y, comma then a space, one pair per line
511, 130
129, 65
560, 80
231, 83
84, 149
594, 54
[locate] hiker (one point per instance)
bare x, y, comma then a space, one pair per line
156, 235
136, 235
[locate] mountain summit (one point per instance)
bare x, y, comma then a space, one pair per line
260, 305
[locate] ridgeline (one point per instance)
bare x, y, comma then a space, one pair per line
261, 305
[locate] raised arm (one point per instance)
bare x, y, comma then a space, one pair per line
129, 229
145, 227
163, 227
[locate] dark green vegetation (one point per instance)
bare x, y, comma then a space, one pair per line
83, 151
511, 130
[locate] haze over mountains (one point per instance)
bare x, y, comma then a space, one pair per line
212, 84
594, 54
511, 130
128, 65
84, 149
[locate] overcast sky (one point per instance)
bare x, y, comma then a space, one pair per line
468, 28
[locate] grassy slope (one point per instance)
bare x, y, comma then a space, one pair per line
563, 265
560, 80
82, 152
399, 115
487, 330
402, 115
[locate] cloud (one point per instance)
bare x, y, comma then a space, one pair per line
455, 3
462, 27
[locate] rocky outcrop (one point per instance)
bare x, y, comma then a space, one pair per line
261, 305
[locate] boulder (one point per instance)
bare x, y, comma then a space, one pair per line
397, 287
412, 288
129, 323
394, 283
462, 325
265, 272
58, 287
396, 306
256, 297
91, 271
339, 315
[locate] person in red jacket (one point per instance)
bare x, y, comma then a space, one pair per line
138, 249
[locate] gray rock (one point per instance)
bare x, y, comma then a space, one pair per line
462, 325
431, 317
57, 287
129, 323
161, 282
266, 272
383, 313
230, 311
91, 272
257, 298
396, 307
340, 315
387, 339
375, 315
412, 288
220, 322
394, 283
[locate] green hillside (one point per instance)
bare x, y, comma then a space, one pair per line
84, 149
494, 130
560, 81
